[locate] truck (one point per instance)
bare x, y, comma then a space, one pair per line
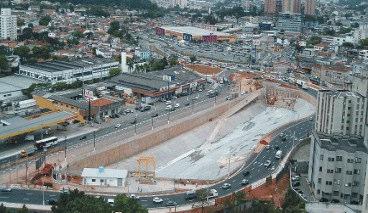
278, 154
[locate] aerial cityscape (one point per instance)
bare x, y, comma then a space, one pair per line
192, 106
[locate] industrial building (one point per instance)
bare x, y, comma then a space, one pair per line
153, 86
11, 87
189, 33
289, 23
83, 104
68, 71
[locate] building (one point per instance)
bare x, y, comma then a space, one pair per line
341, 113
310, 7
11, 87
68, 71
270, 7
190, 33
337, 168
8, 24
337, 76
153, 86
104, 177
363, 54
289, 23
83, 104
291, 6
361, 32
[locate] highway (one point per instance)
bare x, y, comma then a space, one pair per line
255, 166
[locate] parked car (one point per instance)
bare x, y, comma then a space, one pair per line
267, 164
135, 197
117, 126
127, 111
226, 186
6, 189
133, 121
295, 178
246, 173
157, 200
177, 105
83, 137
154, 115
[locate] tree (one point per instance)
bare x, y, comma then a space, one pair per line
122, 203
2, 208
173, 60
77, 34
3, 63
45, 20
202, 195
293, 201
41, 52
130, 63
22, 52
114, 72
364, 42
20, 22
193, 58
314, 40
24, 209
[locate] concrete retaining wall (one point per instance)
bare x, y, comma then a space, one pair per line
152, 138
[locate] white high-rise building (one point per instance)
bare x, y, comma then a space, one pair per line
8, 24
341, 113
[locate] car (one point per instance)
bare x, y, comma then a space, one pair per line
168, 102
134, 196
177, 105
190, 195
268, 146
295, 178
171, 203
268, 163
157, 200
133, 121
6, 189
154, 115
246, 173
127, 111
244, 182
170, 108
296, 184
52, 202
117, 126
110, 201
187, 104
83, 137
277, 147
200, 90
226, 186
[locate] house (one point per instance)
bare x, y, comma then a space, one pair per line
104, 177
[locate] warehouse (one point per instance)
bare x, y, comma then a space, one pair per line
190, 33
68, 71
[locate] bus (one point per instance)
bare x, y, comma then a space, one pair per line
46, 143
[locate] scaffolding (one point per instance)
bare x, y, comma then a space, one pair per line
146, 168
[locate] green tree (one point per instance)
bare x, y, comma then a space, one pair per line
45, 20
364, 42
193, 58
77, 201
293, 201
77, 34
114, 72
314, 40
3, 63
173, 60
125, 204
41, 52
24, 209
22, 52
20, 22
2, 208
202, 195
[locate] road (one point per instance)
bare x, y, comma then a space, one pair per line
255, 167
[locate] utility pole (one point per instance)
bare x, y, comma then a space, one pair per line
152, 122
27, 172
65, 153
94, 140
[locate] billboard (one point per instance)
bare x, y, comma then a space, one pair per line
88, 94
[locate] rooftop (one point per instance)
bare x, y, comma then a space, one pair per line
349, 144
57, 66
15, 83
18, 125
194, 31
342, 93
104, 173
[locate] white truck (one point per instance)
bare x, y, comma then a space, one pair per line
278, 154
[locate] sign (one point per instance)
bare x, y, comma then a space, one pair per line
256, 42
88, 94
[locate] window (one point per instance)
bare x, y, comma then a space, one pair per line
320, 168
354, 195
331, 159
330, 171
335, 193
338, 158
350, 160
349, 172
355, 183
321, 157
93, 180
329, 183
338, 170
356, 171
348, 185
318, 191
319, 180
337, 182
101, 180
358, 160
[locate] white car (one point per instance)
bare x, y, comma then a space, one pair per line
117, 126
226, 186
157, 200
168, 102
135, 197
169, 107
177, 105
268, 163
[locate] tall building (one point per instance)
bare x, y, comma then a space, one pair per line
270, 7
341, 113
310, 7
8, 24
291, 6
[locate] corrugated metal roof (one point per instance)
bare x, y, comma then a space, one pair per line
104, 173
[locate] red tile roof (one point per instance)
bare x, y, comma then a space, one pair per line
101, 102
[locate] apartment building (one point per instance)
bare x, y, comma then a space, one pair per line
310, 7
337, 168
270, 7
341, 113
8, 24
291, 6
